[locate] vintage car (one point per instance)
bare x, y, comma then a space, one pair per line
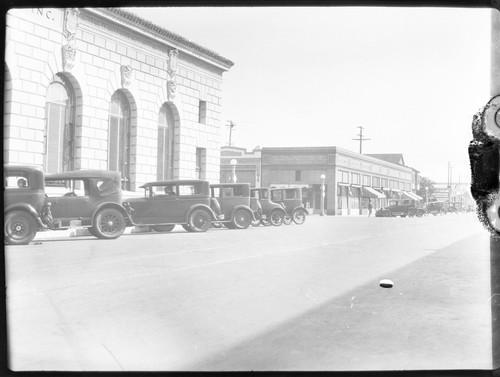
291, 200
435, 208
401, 207
231, 201
272, 213
84, 198
168, 203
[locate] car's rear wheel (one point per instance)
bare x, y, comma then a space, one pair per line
109, 223
163, 228
299, 216
242, 219
411, 213
276, 217
19, 228
199, 220
420, 213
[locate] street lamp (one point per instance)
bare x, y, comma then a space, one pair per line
233, 164
322, 204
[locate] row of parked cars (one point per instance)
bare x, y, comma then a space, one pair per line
413, 208
93, 199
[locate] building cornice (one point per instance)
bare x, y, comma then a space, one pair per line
147, 28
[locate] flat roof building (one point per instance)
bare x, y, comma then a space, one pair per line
104, 89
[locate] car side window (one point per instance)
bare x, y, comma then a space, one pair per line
16, 181
66, 188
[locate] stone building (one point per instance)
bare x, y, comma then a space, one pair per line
105, 89
351, 179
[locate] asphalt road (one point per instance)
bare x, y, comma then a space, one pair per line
268, 298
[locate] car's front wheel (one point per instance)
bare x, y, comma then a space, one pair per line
276, 217
19, 228
299, 216
163, 228
242, 219
199, 220
109, 223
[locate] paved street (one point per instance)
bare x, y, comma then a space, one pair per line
268, 298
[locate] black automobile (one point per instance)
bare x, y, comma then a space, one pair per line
85, 198
166, 204
231, 202
401, 207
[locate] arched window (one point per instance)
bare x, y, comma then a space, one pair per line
165, 157
119, 138
59, 143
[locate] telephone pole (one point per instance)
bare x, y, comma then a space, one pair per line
231, 125
361, 139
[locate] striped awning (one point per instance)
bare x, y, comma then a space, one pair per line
411, 195
370, 192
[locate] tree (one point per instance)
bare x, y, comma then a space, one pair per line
423, 183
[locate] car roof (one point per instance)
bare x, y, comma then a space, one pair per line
22, 167
91, 173
229, 184
174, 182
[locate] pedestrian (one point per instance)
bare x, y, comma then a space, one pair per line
370, 207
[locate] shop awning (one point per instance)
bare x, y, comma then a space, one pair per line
370, 192
411, 195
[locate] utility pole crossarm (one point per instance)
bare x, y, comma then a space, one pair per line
361, 139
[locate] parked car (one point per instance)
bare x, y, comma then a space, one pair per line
85, 198
168, 203
291, 200
401, 207
231, 202
272, 213
435, 208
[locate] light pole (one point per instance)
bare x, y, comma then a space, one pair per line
233, 164
322, 204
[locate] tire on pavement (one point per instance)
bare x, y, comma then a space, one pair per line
19, 228
109, 223
299, 216
199, 220
276, 218
242, 219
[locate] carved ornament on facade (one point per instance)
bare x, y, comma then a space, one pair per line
69, 49
171, 74
126, 73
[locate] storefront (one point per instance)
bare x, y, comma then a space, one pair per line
104, 89
351, 181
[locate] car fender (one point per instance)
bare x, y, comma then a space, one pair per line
201, 206
25, 208
300, 207
278, 208
116, 206
246, 208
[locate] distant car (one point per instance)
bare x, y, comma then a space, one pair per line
435, 208
291, 200
85, 198
401, 207
272, 213
168, 203
231, 201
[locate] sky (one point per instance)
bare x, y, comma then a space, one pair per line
310, 76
